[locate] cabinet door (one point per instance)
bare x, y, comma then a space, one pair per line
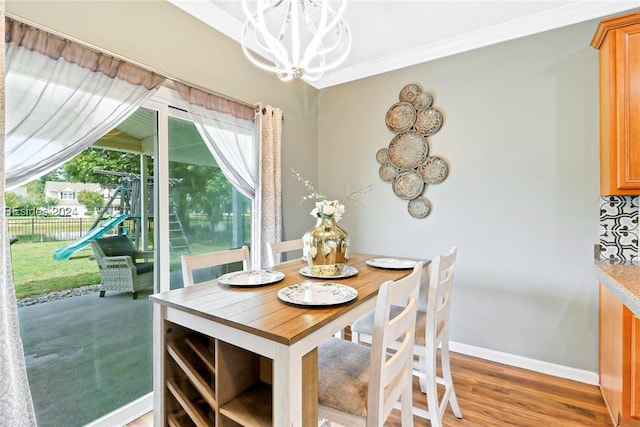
618, 40
628, 82
631, 409
611, 345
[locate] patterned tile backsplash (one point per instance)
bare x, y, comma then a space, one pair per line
619, 227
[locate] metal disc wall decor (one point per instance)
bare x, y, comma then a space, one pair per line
382, 156
406, 162
419, 207
422, 101
387, 172
410, 92
400, 117
428, 121
408, 184
408, 149
433, 170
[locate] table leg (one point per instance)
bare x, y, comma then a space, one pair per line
310, 389
295, 388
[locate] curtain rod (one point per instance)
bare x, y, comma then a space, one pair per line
130, 61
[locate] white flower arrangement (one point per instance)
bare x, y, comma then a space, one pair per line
327, 209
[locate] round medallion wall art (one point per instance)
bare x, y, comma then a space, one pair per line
406, 163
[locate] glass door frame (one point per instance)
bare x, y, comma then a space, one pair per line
165, 103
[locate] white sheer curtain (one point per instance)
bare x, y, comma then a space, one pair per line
61, 98
232, 143
16, 407
228, 130
57, 99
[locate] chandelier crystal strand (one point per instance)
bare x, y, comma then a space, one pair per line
296, 38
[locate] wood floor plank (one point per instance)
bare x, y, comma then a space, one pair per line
491, 394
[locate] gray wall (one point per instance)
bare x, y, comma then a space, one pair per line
520, 134
520, 202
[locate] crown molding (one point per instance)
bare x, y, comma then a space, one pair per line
563, 15
551, 19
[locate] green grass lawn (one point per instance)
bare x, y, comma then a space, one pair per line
36, 272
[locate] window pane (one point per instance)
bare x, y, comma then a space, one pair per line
207, 213
87, 355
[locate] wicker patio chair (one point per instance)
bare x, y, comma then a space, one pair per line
122, 266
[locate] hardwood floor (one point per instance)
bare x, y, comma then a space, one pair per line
144, 421
492, 394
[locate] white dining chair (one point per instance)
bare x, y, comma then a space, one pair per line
190, 263
432, 332
360, 385
275, 249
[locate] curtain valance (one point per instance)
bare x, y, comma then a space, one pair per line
61, 98
212, 102
54, 47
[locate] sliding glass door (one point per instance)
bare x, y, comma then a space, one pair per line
206, 213
89, 354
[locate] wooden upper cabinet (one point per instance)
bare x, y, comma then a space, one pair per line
618, 42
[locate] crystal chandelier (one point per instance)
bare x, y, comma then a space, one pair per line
296, 38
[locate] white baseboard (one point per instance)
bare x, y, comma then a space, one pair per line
126, 414
561, 371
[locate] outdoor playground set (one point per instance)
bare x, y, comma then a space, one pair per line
128, 192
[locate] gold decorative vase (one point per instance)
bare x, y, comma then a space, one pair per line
326, 248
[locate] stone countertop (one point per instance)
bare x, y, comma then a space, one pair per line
623, 280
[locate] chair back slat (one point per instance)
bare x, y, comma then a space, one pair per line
276, 249
190, 263
439, 298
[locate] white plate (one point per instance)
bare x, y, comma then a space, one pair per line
251, 278
317, 293
347, 271
393, 263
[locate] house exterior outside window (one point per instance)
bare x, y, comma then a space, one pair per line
67, 195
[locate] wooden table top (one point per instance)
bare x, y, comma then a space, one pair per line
259, 311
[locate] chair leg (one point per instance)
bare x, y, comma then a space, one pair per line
448, 380
433, 405
407, 406
422, 363
101, 294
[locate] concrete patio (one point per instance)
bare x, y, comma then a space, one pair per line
87, 356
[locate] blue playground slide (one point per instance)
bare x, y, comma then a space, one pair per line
66, 251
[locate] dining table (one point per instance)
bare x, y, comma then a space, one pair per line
257, 328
